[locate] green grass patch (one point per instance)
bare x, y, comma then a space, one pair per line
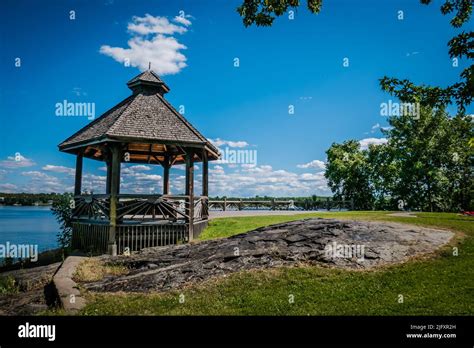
226, 227
8, 285
92, 269
439, 285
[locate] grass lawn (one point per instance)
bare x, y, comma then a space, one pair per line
439, 285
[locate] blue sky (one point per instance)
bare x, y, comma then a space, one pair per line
296, 63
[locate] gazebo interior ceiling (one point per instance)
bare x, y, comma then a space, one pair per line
144, 153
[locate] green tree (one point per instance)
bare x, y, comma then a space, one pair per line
263, 12
62, 210
426, 164
348, 175
420, 146
459, 163
383, 174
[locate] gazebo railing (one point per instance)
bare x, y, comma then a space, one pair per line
201, 208
145, 208
91, 207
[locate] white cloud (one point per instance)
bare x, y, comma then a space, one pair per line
179, 167
8, 188
140, 167
59, 169
134, 180
217, 170
364, 143
156, 25
312, 176
42, 182
183, 20
183, 167
152, 41
17, 161
375, 127
93, 183
264, 180
130, 170
317, 164
37, 175
94, 178
219, 142
147, 177
251, 168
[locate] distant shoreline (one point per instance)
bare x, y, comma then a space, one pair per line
26, 205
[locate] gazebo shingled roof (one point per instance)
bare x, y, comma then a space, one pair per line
145, 121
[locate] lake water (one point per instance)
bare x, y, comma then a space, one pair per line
28, 225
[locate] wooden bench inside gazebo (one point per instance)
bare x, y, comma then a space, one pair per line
144, 128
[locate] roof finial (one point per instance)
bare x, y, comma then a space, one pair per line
149, 65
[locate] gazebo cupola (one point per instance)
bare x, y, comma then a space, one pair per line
143, 128
148, 83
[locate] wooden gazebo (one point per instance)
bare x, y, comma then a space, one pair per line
143, 128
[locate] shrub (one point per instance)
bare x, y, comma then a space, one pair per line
62, 210
8, 285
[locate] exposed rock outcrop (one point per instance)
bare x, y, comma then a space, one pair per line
34, 290
345, 244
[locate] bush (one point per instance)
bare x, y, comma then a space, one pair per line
8, 285
62, 210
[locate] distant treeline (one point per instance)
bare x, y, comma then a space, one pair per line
28, 198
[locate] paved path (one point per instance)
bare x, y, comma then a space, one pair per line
237, 213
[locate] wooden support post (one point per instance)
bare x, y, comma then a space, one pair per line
205, 185
109, 175
225, 203
78, 178
273, 204
114, 191
166, 175
205, 174
190, 192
